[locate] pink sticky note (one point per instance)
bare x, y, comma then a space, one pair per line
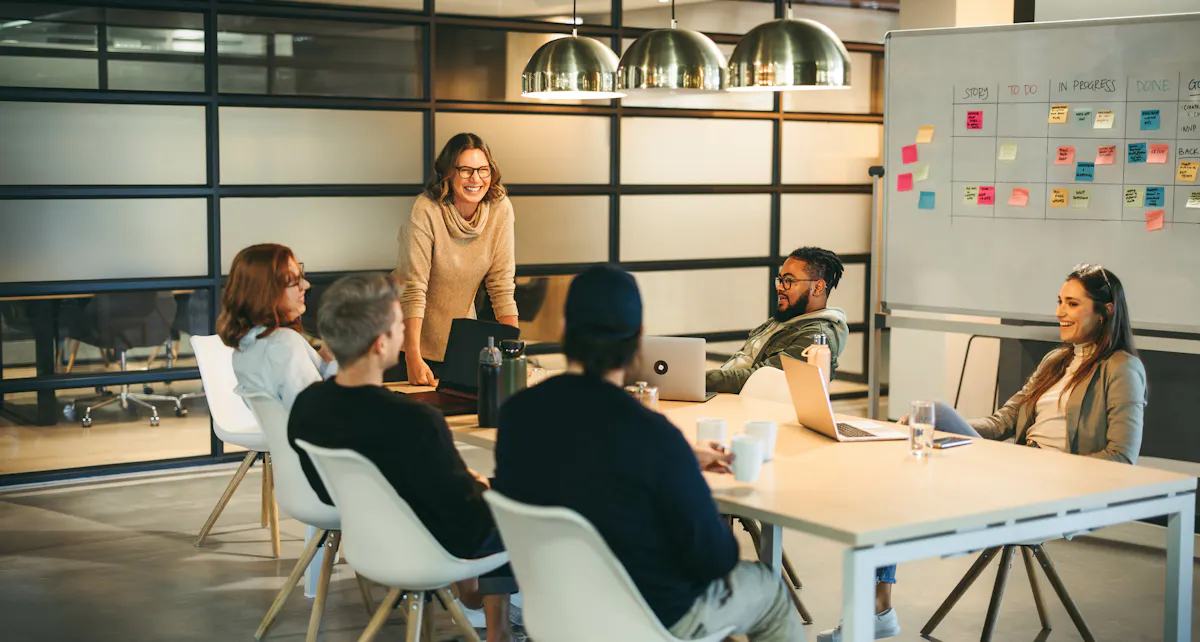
1019, 198
974, 120
1154, 220
1106, 154
1066, 156
904, 183
1158, 154
987, 195
908, 154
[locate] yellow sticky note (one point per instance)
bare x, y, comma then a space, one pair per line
1134, 196
970, 194
1058, 113
1008, 151
1080, 198
1104, 120
925, 134
920, 172
1058, 197
1187, 171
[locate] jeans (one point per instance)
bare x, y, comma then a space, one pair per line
501, 580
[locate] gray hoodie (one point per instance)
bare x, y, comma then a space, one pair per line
769, 340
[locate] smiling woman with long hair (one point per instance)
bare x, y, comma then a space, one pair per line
458, 236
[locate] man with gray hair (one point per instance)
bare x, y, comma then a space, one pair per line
361, 322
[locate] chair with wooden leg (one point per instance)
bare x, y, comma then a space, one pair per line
234, 424
1029, 551
389, 544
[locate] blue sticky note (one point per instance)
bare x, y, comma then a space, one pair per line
1150, 119
927, 200
1155, 197
1085, 172
1137, 152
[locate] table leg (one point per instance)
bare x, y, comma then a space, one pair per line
770, 551
1177, 621
858, 599
44, 315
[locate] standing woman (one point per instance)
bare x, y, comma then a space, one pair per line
459, 235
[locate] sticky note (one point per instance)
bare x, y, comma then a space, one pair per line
927, 200
908, 154
921, 172
1194, 201
1154, 221
1134, 196
1083, 115
925, 134
970, 194
904, 182
1105, 154
1155, 197
1008, 151
1080, 198
1187, 171
974, 120
1158, 154
1058, 113
1137, 152
1104, 120
1019, 197
1085, 172
1066, 156
1058, 197
1150, 121
987, 194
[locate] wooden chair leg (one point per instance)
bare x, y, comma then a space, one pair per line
272, 506
989, 624
963, 585
1043, 614
153, 356
310, 551
74, 351
465, 630
1063, 595
755, 532
266, 492
318, 607
416, 602
381, 616
429, 622
364, 588
221, 503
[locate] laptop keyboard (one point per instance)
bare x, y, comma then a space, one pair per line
846, 430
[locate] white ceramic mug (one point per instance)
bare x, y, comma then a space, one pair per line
747, 458
766, 432
710, 429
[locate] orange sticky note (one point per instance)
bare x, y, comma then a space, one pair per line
1058, 197
925, 134
1158, 154
1187, 171
1106, 154
904, 182
1154, 220
1019, 197
1066, 156
1058, 114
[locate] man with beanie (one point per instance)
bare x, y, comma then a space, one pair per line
801, 313
581, 442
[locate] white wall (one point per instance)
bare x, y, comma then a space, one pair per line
1045, 10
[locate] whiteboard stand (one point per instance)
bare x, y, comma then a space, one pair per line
875, 325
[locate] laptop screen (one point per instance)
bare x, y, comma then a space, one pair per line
468, 337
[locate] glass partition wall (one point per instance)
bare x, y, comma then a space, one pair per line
142, 144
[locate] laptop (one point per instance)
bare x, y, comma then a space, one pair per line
458, 387
675, 365
813, 410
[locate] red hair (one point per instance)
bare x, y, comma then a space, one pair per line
254, 293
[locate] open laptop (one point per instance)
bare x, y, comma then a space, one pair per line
813, 410
675, 365
458, 387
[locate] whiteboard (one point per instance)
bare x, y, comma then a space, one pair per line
984, 90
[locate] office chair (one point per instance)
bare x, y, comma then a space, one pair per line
121, 322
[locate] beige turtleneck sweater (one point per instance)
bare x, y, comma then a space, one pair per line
1049, 427
443, 260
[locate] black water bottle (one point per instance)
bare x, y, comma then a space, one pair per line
489, 385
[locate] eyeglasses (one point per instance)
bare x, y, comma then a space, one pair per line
465, 172
299, 278
786, 282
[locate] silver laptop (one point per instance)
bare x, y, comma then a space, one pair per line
675, 365
813, 410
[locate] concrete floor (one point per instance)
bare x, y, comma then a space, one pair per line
114, 560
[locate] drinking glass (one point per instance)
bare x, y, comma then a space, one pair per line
920, 423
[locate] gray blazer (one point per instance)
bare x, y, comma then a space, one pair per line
1104, 412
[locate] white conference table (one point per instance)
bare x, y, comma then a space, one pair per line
888, 507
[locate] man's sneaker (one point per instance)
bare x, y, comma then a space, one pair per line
479, 621
886, 625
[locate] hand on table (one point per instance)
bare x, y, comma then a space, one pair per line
713, 457
419, 373
480, 478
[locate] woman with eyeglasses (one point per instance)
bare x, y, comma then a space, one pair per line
458, 236
260, 318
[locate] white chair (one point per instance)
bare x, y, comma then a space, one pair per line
575, 588
234, 424
389, 544
769, 384
299, 500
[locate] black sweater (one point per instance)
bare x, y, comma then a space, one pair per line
584, 444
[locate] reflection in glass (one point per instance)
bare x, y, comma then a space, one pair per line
590, 12
540, 301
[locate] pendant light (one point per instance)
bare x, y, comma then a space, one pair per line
672, 60
571, 69
789, 54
